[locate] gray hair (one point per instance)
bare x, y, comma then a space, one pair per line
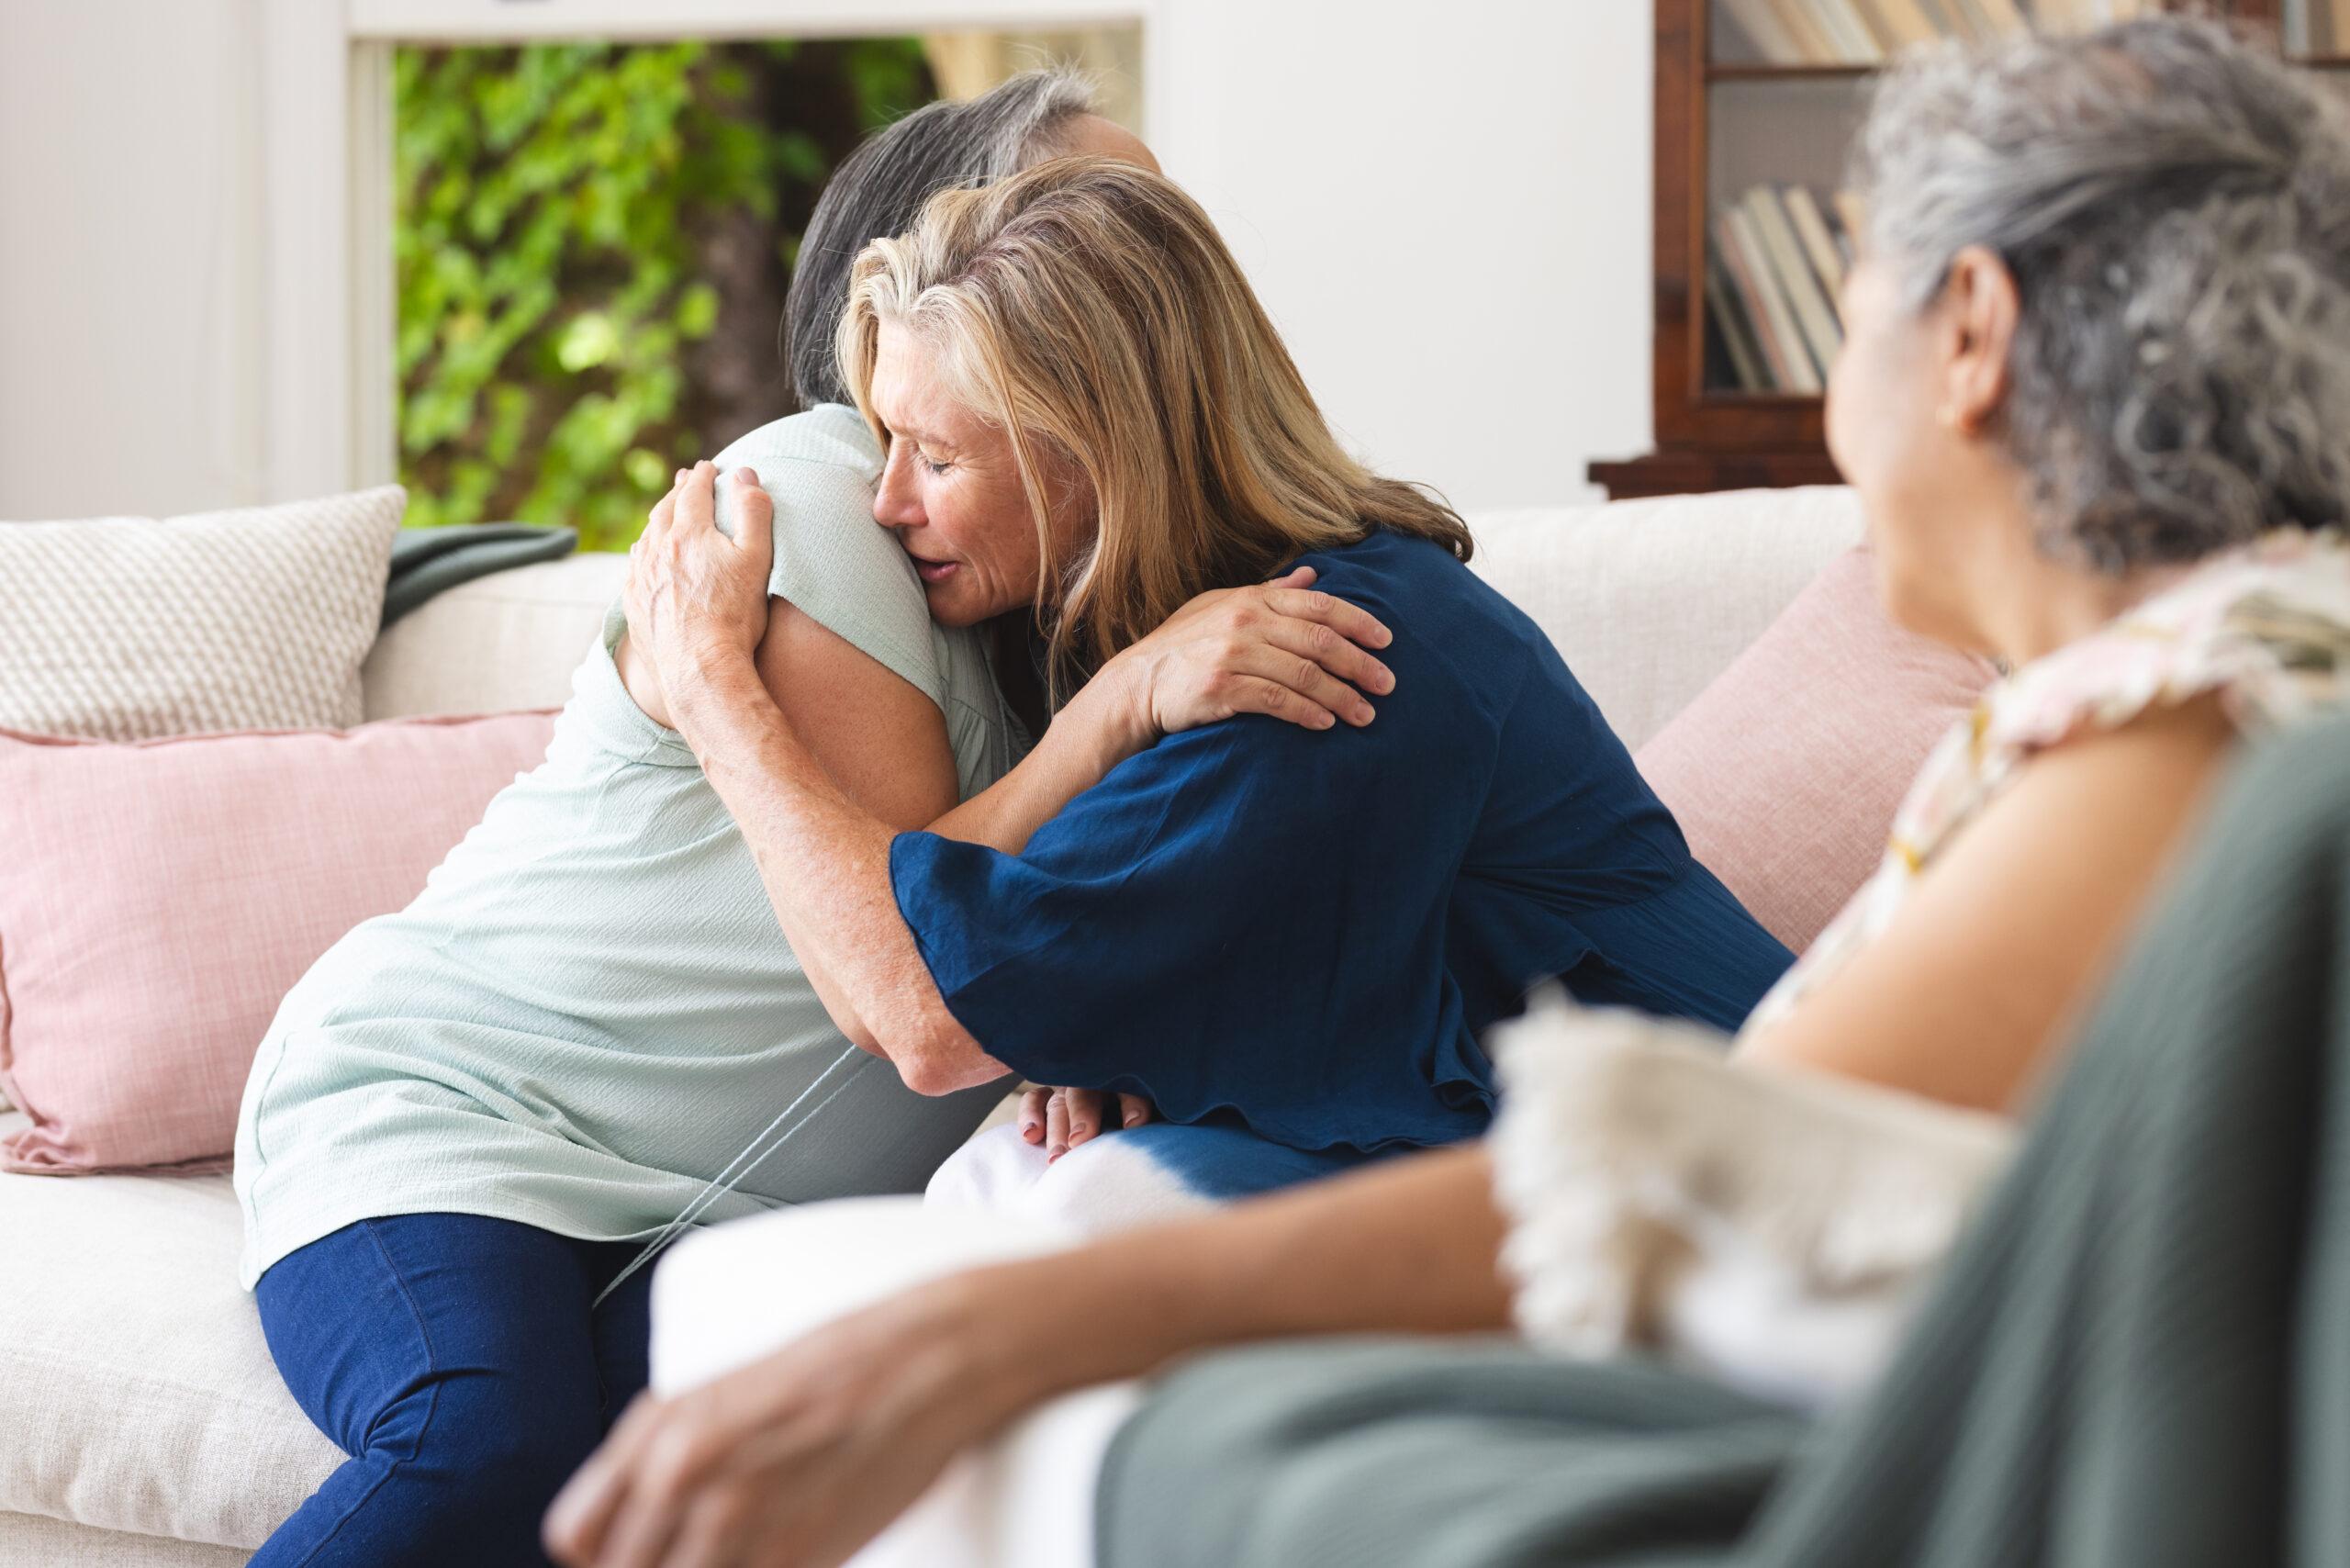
879, 190
2174, 205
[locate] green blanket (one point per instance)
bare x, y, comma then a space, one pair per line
2139, 1357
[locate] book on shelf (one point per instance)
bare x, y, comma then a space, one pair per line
1815, 316
1869, 32
1811, 36
2086, 16
1740, 342
1819, 245
1954, 19
1855, 44
1769, 37
1783, 356
2000, 17
1851, 219
1906, 23
2325, 29
1780, 255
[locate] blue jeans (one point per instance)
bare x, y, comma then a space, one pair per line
458, 1363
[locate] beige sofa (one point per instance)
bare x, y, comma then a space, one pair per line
141, 1424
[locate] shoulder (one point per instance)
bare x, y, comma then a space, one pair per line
1393, 565
1464, 639
2266, 627
832, 562
2147, 766
818, 467
1459, 669
1432, 601
2101, 808
826, 436
1421, 575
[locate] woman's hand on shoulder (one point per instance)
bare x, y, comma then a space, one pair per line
1284, 649
1062, 1119
691, 591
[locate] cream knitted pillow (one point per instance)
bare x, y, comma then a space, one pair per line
124, 629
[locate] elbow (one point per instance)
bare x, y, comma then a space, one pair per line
930, 1076
926, 1076
943, 1059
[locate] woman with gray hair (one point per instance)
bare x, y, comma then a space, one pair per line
2095, 398
469, 1120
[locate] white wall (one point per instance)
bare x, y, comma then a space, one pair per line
1444, 203
129, 231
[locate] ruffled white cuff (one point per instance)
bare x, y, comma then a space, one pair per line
1771, 1227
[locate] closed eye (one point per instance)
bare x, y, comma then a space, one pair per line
914, 445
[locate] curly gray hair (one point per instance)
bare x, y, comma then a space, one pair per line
2174, 204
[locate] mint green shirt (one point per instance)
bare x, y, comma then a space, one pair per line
590, 1011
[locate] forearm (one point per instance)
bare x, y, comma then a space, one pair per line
1409, 1247
824, 862
1085, 740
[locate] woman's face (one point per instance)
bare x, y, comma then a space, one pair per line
951, 491
1905, 416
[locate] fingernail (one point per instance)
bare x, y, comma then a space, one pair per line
1366, 715
747, 475
1054, 1152
680, 478
1323, 720
1079, 1130
1134, 1118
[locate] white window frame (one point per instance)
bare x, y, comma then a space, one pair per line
330, 304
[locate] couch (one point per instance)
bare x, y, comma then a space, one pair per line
142, 1423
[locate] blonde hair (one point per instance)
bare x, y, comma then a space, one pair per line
1089, 308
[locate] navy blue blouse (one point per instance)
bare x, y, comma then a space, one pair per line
1307, 931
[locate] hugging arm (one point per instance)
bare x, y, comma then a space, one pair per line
825, 863
697, 607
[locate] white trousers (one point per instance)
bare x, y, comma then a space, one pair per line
728, 1295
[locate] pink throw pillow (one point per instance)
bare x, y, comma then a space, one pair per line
1786, 771
158, 898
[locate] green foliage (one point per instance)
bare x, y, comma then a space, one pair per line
553, 204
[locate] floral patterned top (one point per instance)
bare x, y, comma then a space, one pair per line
2265, 627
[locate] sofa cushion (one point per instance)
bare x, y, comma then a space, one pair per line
124, 628
136, 1391
159, 899
1786, 772
55, 1543
1649, 600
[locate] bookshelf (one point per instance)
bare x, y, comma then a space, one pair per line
1756, 104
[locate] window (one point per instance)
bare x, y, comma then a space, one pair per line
584, 244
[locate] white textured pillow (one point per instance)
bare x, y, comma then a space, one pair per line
126, 629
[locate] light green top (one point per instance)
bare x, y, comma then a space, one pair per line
590, 1011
